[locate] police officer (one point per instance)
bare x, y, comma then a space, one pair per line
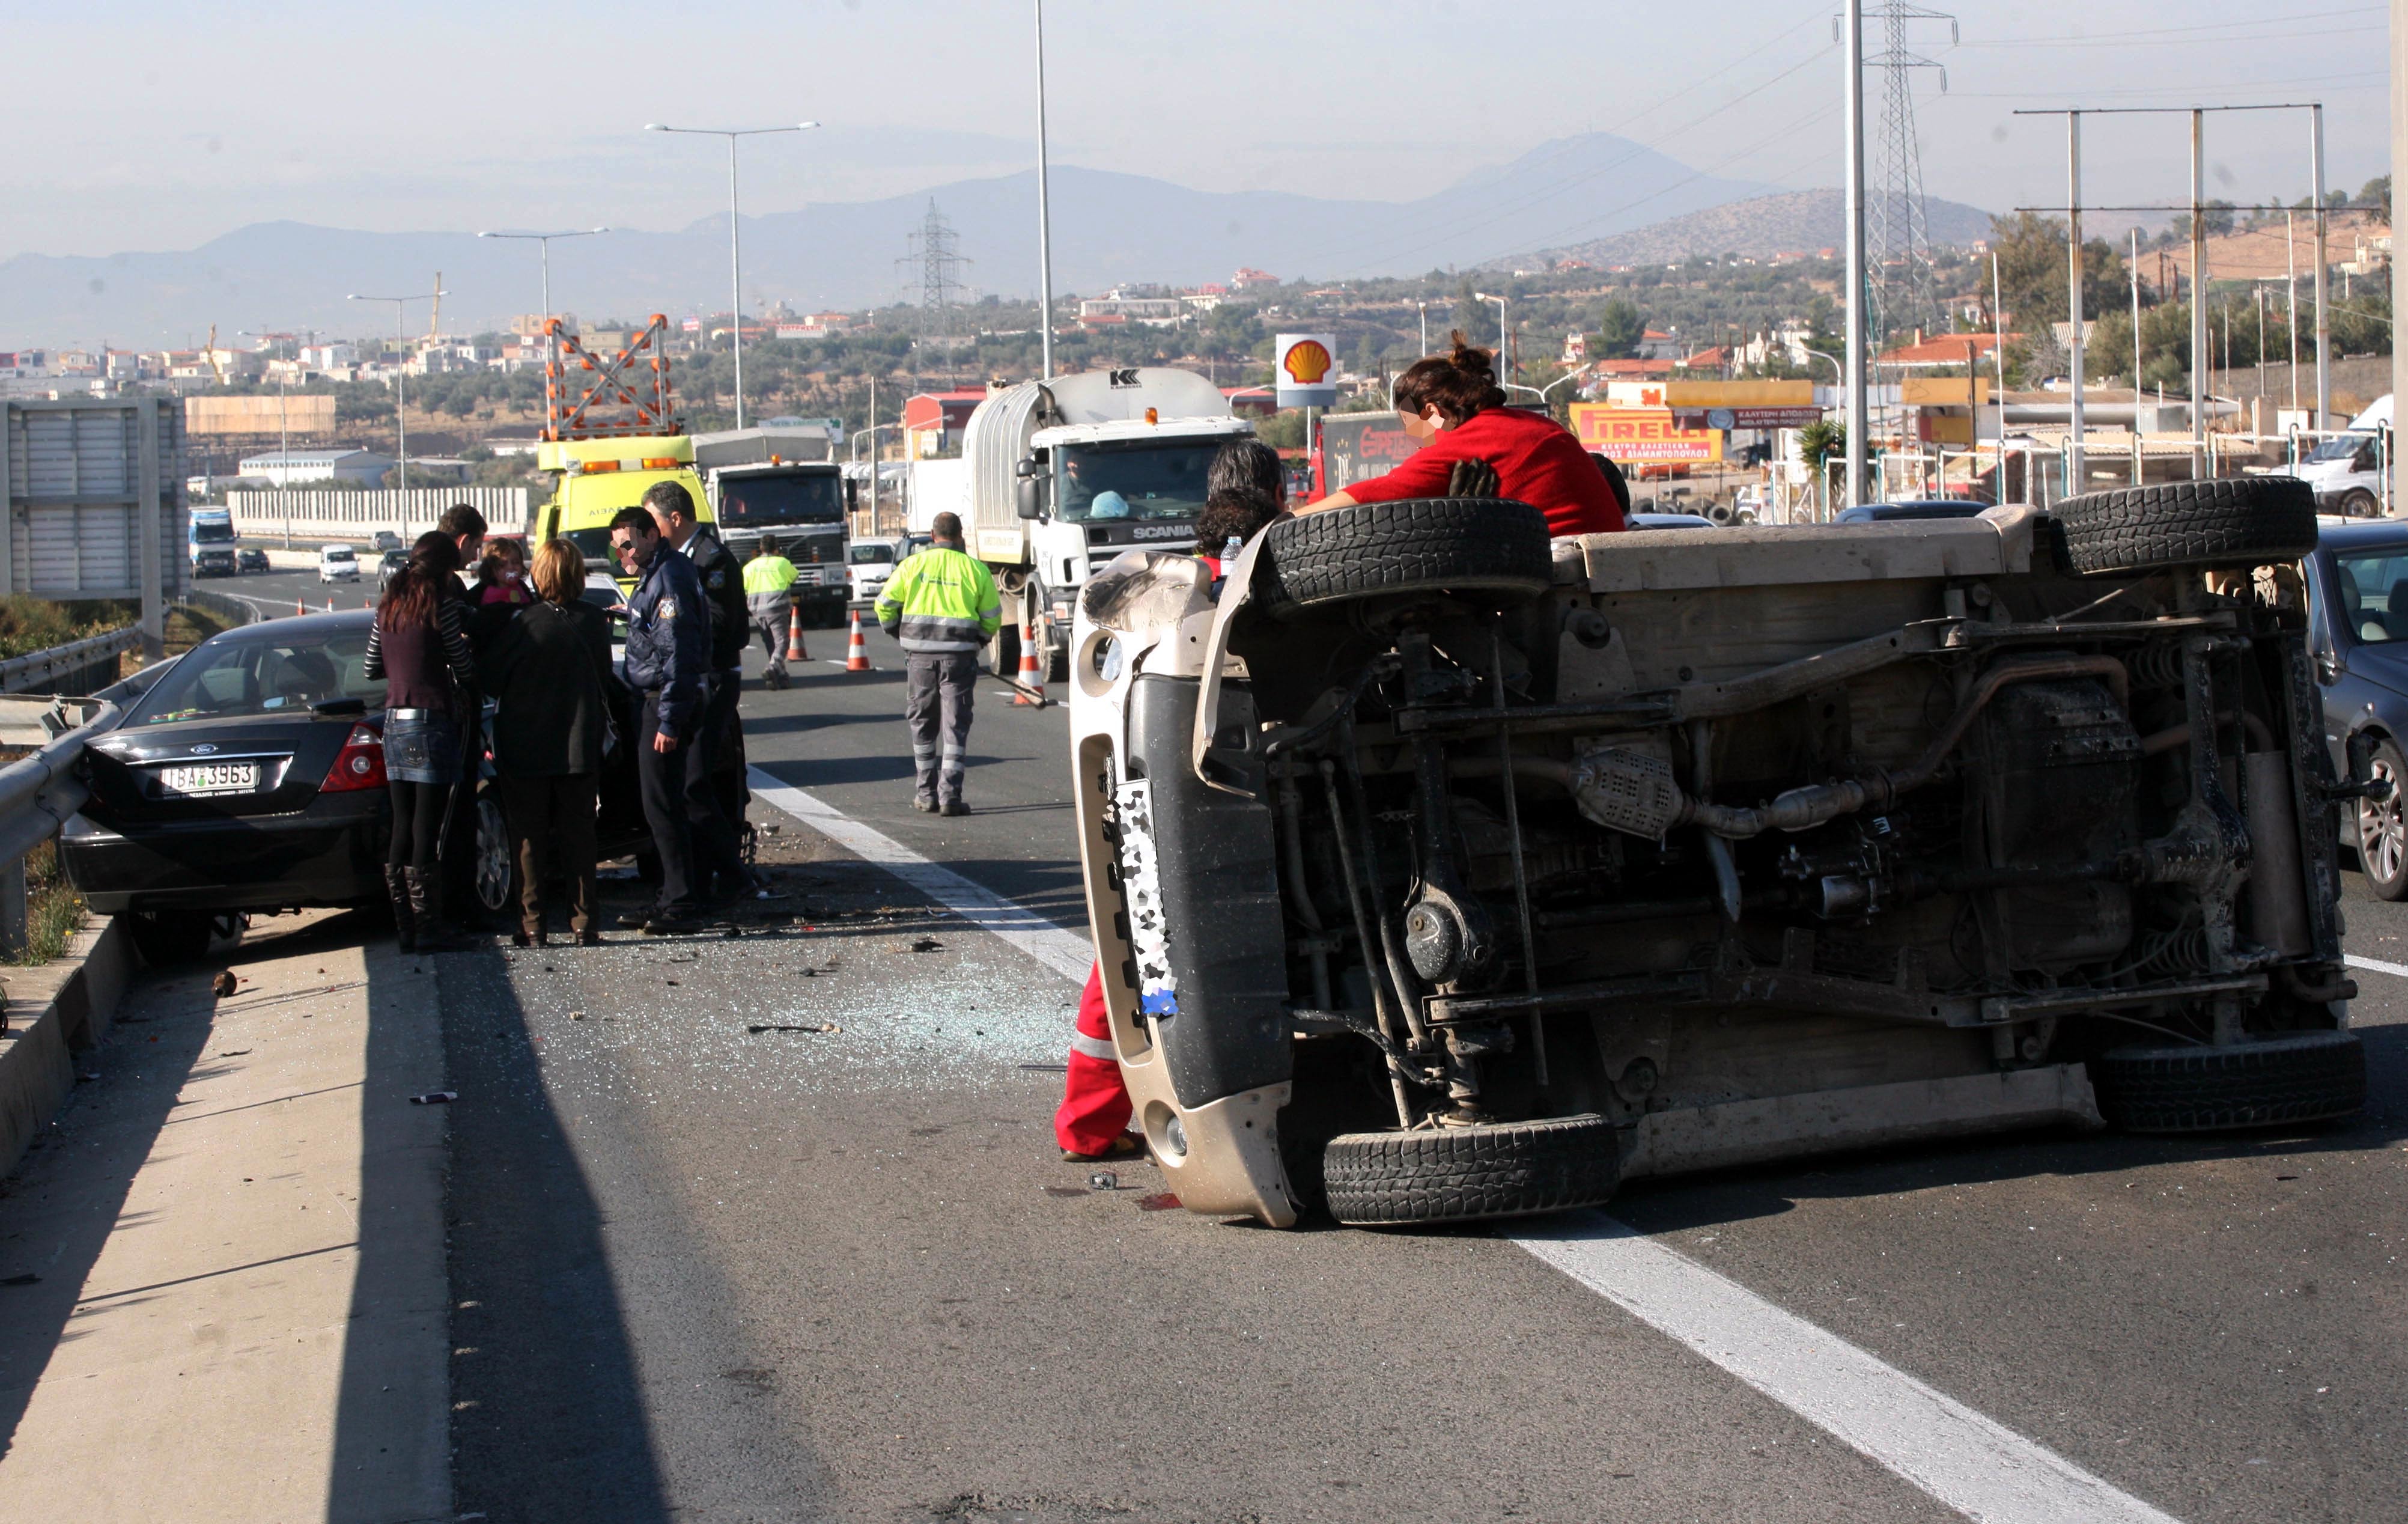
768, 591
942, 605
730, 624
668, 663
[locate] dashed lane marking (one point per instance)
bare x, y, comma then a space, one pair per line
2398, 970
1066, 953
1966, 1460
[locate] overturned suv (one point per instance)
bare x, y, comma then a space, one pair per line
1440, 871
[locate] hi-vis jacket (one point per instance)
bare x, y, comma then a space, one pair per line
766, 580
939, 602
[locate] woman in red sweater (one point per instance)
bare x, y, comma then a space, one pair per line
1453, 404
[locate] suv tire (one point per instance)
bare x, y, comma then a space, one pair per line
2298, 1077
1415, 545
2382, 829
2247, 522
1462, 1174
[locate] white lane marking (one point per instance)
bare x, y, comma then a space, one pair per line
1066, 953
1964, 1459
2400, 970
1974, 1465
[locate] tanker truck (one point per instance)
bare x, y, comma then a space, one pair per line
1066, 474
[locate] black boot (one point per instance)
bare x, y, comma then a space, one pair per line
426, 910
405, 923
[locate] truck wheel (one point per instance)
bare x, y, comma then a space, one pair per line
2382, 829
1002, 654
2301, 1077
1462, 1174
1483, 546
2247, 522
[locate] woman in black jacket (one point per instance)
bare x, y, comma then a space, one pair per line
549, 672
418, 648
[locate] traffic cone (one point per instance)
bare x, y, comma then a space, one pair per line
795, 650
1030, 689
299, 608
857, 651
330, 605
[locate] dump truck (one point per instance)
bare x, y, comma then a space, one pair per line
782, 480
1066, 474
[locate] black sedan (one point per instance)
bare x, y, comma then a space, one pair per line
250, 776
2357, 611
251, 558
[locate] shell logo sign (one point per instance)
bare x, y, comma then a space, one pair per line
1304, 362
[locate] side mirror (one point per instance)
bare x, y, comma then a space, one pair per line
852, 495
1026, 502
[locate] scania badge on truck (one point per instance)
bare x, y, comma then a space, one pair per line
1066, 474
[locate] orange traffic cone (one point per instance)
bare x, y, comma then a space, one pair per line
795, 650
299, 607
1030, 689
330, 605
857, 651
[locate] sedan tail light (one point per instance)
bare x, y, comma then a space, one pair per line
359, 765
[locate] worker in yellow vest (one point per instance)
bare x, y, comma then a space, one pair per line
768, 578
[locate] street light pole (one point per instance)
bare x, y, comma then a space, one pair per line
544, 241
1853, 100
400, 398
734, 250
1044, 214
1424, 309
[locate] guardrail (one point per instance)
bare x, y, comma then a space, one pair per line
88, 663
38, 794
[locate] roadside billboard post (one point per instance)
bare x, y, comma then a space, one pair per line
95, 501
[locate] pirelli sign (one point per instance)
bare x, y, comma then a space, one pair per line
1643, 436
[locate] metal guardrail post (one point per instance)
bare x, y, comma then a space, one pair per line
13, 933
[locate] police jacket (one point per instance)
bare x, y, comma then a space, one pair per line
941, 601
668, 641
723, 590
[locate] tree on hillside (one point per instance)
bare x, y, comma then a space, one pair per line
2377, 192
2031, 270
1472, 315
1619, 329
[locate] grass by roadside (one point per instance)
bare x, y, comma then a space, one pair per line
188, 626
29, 624
54, 911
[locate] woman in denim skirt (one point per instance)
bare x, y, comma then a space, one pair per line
419, 648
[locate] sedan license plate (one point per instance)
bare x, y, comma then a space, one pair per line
210, 777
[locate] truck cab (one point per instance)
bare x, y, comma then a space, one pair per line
594, 478
209, 543
781, 481
1068, 474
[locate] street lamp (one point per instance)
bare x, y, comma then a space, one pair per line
1423, 309
735, 255
1546, 394
283, 430
400, 380
1484, 296
544, 240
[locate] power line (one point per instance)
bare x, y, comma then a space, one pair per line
937, 255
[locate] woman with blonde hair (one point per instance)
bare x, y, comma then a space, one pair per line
549, 672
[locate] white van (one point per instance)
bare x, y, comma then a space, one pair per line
2351, 472
337, 564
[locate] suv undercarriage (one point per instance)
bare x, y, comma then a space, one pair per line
1439, 871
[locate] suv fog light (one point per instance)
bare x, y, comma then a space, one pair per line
1169, 1136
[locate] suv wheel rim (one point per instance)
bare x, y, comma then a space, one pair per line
2382, 829
493, 856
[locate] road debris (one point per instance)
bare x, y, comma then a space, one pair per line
224, 983
435, 1098
1161, 1201
577, 1015
1072, 1191
773, 1026
1103, 1180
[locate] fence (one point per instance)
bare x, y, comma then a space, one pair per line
310, 515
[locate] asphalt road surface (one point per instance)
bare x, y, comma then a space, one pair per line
710, 1271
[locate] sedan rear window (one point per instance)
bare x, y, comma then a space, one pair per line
221, 679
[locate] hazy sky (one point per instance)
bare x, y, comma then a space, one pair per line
144, 126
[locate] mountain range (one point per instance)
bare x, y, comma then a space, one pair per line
1108, 228
1790, 220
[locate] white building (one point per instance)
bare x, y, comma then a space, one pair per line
308, 467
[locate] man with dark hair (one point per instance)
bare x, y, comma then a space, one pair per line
668, 664
730, 626
1250, 467
465, 527
942, 605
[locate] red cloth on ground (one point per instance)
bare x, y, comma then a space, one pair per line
1095, 1102
1537, 462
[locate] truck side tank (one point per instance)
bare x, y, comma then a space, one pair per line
1002, 428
